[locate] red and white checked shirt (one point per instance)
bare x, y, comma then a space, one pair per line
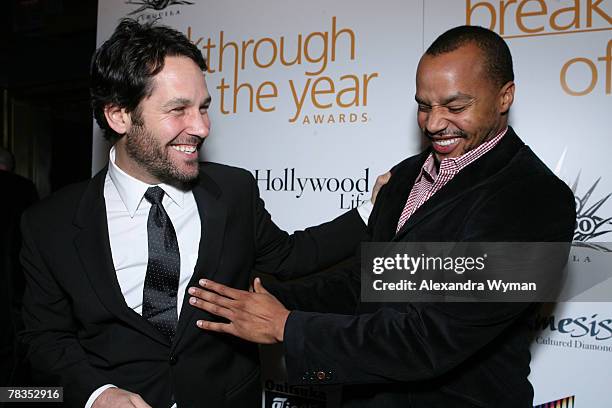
430, 180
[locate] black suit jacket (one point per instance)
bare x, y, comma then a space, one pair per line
82, 334
436, 354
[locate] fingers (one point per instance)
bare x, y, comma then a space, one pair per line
384, 178
210, 297
216, 298
221, 289
227, 328
138, 402
119, 398
380, 181
258, 286
211, 306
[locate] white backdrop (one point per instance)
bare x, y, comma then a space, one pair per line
336, 108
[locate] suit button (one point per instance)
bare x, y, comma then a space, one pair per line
320, 375
172, 360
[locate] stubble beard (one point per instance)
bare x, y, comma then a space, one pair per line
142, 147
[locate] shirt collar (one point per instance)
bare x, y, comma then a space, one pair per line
131, 190
429, 167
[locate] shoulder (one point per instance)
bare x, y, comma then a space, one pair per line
222, 172
228, 181
527, 173
60, 205
410, 162
526, 201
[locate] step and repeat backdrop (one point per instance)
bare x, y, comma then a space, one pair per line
317, 98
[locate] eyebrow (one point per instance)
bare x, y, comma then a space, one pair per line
453, 98
174, 102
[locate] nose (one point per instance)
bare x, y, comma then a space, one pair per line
199, 124
436, 120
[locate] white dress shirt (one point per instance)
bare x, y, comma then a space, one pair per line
127, 213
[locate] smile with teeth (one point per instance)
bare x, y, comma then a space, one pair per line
446, 142
185, 148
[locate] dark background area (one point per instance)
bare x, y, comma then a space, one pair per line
45, 117
46, 121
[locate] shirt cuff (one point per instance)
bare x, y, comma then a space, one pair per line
365, 210
96, 394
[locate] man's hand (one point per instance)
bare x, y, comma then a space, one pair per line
254, 316
118, 398
380, 181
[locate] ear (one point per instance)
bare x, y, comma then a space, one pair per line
506, 96
118, 119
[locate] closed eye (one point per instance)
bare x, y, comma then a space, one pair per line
178, 109
456, 109
424, 108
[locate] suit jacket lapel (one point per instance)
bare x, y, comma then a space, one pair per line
93, 247
213, 214
471, 177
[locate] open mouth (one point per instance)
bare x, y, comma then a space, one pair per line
187, 149
446, 142
445, 146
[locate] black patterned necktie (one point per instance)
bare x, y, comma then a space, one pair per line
163, 267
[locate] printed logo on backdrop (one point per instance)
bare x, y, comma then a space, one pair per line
325, 87
578, 76
351, 191
283, 395
157, 7
589, 258
590, 333
567, 402
590, 222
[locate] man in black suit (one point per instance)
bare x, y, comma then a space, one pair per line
476, 182
18, 194
107, 261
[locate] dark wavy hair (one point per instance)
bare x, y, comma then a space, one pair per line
123, 67
495, 51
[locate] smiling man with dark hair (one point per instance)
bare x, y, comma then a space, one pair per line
107, 261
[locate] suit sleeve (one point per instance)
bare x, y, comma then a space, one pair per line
421, 341
303, 252
335, 290
54, 352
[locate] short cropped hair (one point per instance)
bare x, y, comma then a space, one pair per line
495, 51
123, 67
